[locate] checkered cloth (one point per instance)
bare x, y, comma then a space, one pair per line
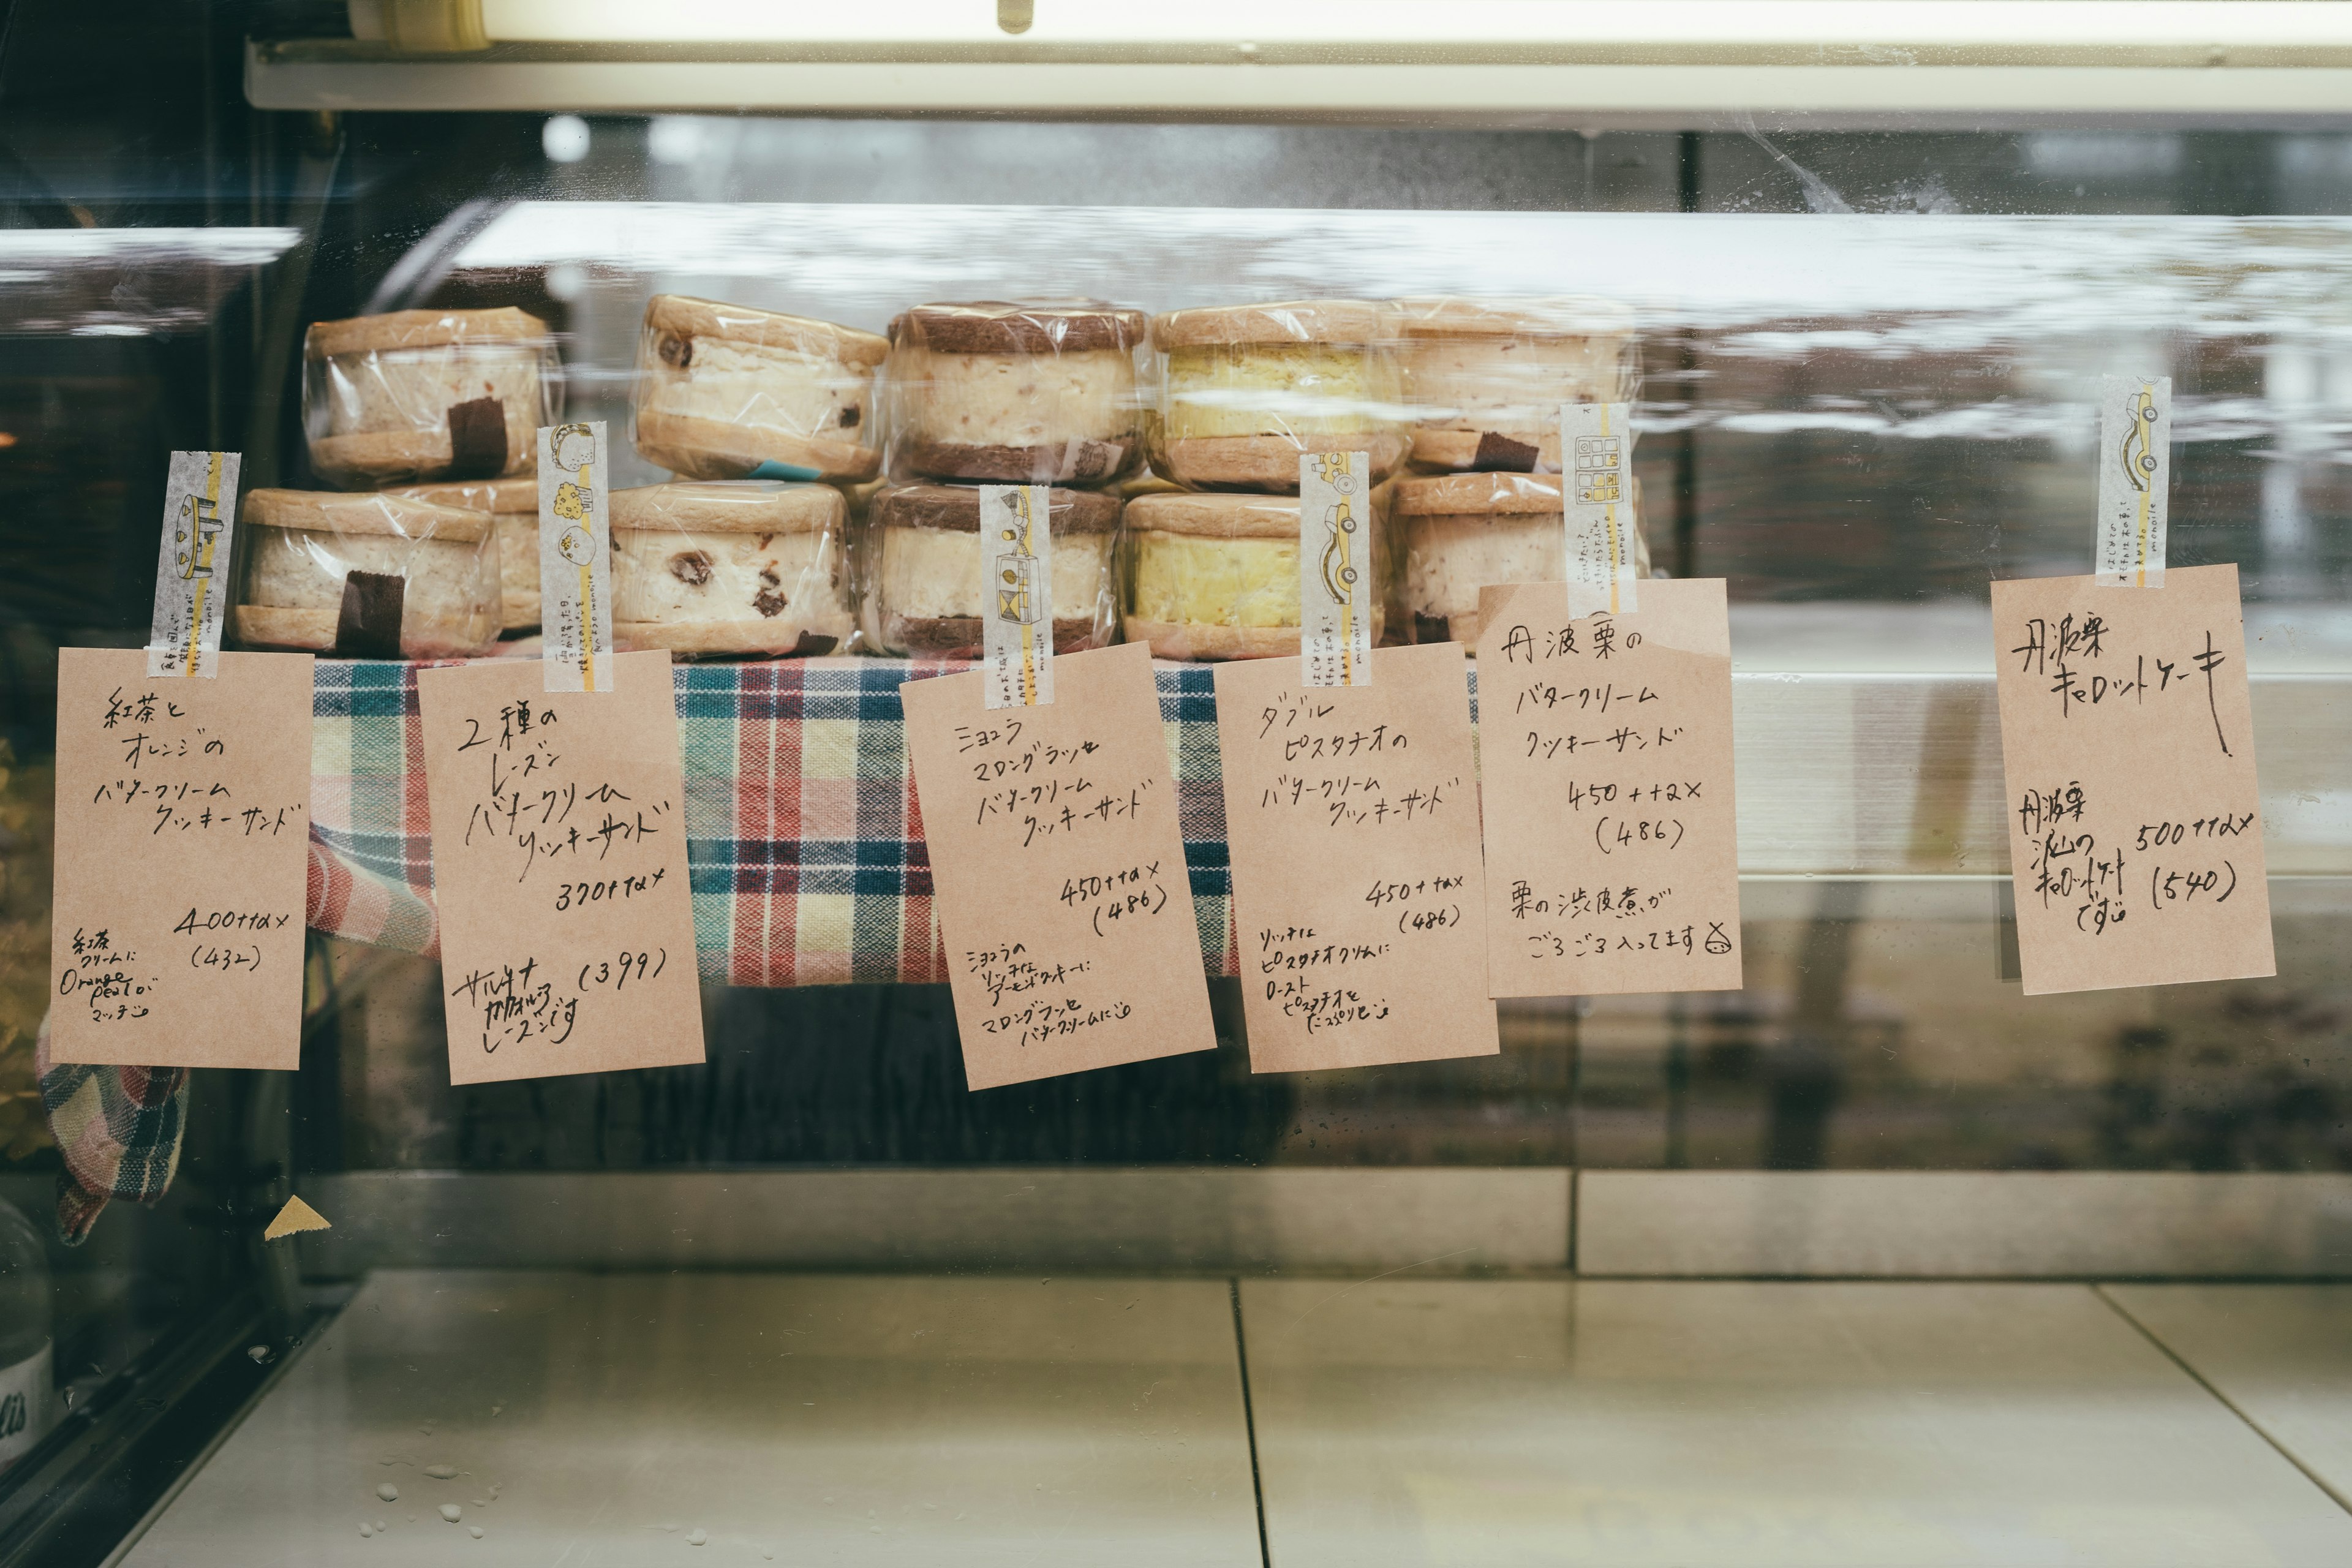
805, 846
803, 840
119, 1130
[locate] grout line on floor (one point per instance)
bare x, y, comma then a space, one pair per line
2227, 1404
1573, 1190
1249, 1421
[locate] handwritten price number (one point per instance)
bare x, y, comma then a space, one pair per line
1666, 832
571, 895
618, 971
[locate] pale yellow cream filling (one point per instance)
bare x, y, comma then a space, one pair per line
1185, 580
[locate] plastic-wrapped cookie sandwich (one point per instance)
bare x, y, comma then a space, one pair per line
1215, 576
726, 392
1035, 392
1245, 389
427, 395
752, 567
513, 506
1486, 378
924, 593
1458, 533
367, 576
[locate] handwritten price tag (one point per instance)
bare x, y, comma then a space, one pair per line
2135, 821
1062, 892
1612, 846
559, 865
1358, 896
182, 843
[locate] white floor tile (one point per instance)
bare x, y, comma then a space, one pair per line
799, 1420
1696, 1423
2281, 1353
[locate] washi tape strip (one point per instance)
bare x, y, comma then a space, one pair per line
1016, 561
575, 559
1335, 568
191, 565
1596, 442
2135, 480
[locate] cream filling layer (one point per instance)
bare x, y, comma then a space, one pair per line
932, 573
792, 580
1186, 580
1506, 383
1448, 558
1300, 390
447, 581
808, 396
414, 389
1017, 400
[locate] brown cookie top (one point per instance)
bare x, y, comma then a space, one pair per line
683, 318
336, 512
1212, 516
1560, 316
423, 330
957, 507
729, 505
1282, 321
1451, 495
1020, 326
504, 497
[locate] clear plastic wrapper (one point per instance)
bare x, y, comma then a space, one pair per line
1455, 533
728, 392
1032, 393
427, 395
513, 506
367, 576
1243, 390
1485, 378
1211, 576
923, 591
750, 568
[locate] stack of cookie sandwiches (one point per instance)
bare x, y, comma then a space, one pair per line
1244, 392
1485, 381
444, 408
1001, 392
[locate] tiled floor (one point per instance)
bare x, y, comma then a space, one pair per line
2281, 1353
886, 1421
1696, 1423
790, 1419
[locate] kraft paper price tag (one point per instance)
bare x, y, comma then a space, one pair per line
1613, 840
1059, 864
1335, 588
182, 849
2135, 480
2128, 747
575, 560
1596, 445
192, 566
1017, 556
559, 865
1358, 897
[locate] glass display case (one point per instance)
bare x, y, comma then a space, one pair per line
1874, 1259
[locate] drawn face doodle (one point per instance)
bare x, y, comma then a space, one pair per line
573, 447
576, 545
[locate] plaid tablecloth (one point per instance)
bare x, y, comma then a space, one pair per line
803, 839
804, 844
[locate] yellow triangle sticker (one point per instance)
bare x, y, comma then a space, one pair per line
296, 1216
